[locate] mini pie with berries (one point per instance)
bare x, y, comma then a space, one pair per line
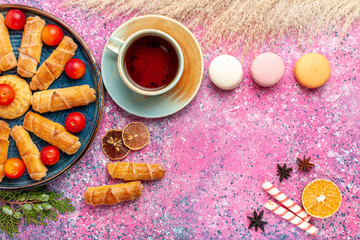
22, 99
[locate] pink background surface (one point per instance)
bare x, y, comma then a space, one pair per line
220, 148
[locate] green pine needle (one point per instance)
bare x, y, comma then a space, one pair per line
9, 224
64, 206
37, 202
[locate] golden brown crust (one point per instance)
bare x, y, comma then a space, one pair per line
62, 98
4, 146
29, 153
22, 99
135, 171
112, 194
51, 132
54, 65
31, 47
7, 56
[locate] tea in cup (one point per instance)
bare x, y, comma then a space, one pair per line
150, 62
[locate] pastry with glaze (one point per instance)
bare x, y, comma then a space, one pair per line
54, 65
31, 47
7, 56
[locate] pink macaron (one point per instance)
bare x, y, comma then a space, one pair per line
267, 69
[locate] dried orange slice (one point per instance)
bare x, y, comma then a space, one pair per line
135, 135
321, 198
113, 145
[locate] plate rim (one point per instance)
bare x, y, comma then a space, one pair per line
197, 45
99, 83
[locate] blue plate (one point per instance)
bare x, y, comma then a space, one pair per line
175, 99
91, 112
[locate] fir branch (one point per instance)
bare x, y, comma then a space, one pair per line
64, 206
37, 206
9, 224
46, 216
9, 195
32, 218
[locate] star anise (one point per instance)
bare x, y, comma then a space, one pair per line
305, 164
256, 221
283, 172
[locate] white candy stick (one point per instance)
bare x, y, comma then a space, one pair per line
287, 202
301, 223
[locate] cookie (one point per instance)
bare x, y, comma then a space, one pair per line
267, 69
225, 72
22, 99
312, 70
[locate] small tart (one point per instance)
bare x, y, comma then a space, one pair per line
22, 99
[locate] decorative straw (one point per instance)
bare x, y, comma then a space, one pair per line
287, 202
301, 223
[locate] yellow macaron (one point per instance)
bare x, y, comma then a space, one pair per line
312, 70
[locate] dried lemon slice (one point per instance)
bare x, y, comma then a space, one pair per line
113, 145
135, 135
321, 198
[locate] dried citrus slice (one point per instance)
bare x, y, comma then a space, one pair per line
113, 145
321, 198
135, 135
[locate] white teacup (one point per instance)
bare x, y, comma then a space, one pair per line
121, 47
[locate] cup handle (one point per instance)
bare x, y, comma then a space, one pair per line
114, 44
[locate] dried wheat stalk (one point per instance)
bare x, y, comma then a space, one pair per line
245, 24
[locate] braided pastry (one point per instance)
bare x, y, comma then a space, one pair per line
4, 146
31, 47
112, 194
62, 98
51, 132
54, 65
7, 56
135, 171
29, 153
